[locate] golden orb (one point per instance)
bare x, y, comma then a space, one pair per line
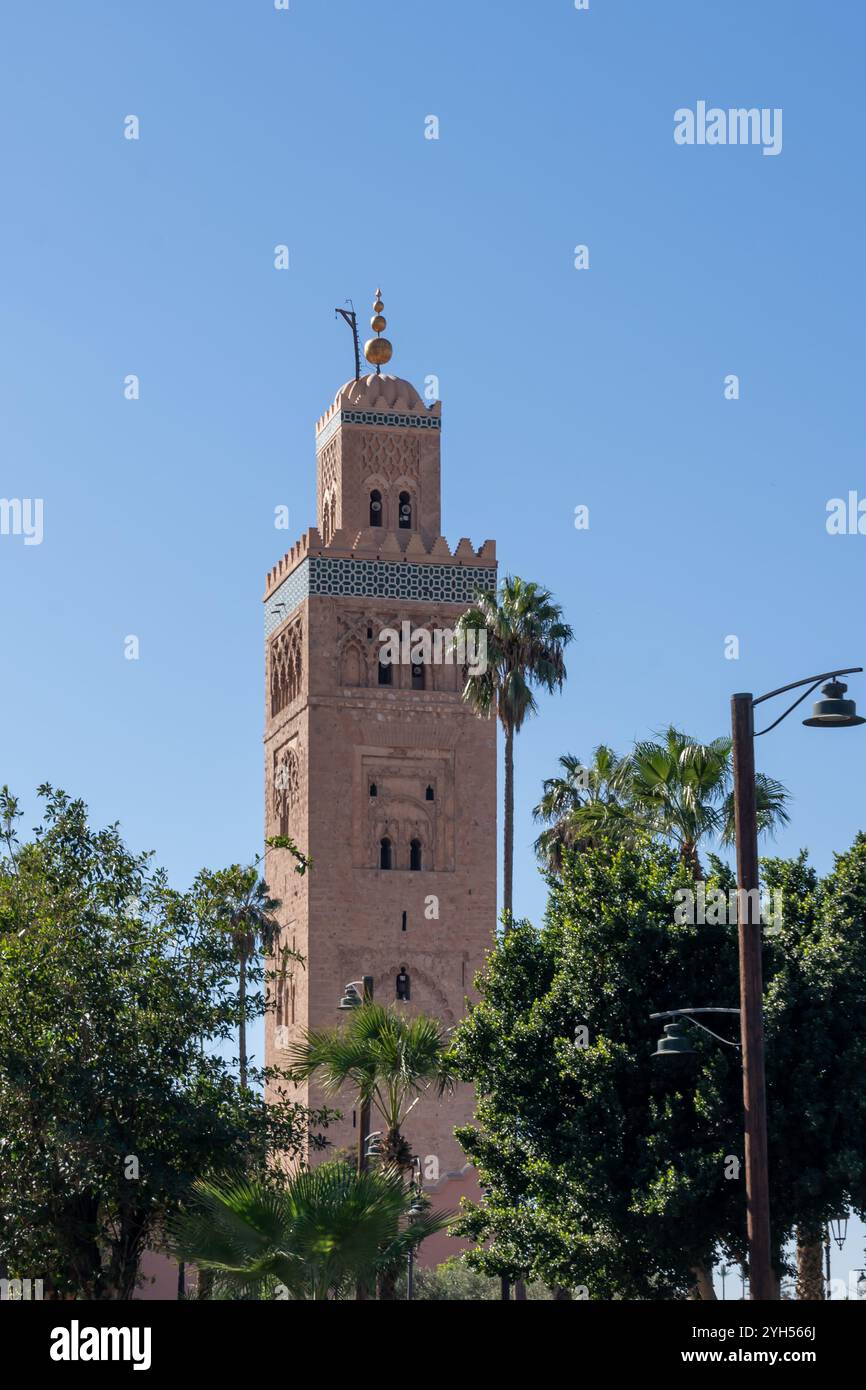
378, 306
378, 324
378, 351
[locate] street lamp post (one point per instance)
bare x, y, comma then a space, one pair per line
417, 1209
352, 999
832, 712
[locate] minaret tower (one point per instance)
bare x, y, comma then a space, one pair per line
377, 770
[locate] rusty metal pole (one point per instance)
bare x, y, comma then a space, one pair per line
761, 1283
364, 1134
364, 1116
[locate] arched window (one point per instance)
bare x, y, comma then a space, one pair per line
385, 673
374, 790
417, 676
429, 795
405, 512
415, 854
385, 853
375, 507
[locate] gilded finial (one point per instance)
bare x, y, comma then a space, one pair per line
378, 350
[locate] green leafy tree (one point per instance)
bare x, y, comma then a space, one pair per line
114, 991
599, 1170
313, 1235
456, 1281
526, 640
816, 1050
604, 1168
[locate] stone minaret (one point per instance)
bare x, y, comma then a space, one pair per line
378, 771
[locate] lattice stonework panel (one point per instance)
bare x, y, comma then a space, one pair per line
376, 579
287, 786
328, 466
391, 456
287, 665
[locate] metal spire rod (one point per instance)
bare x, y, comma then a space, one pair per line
351, 319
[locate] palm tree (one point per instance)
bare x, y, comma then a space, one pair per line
241, 904
313, 1235
389, 1060
674, 788
526, 640
596, 791
682, 790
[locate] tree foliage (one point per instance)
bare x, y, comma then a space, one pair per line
312, 1235
114, 989
605, 1168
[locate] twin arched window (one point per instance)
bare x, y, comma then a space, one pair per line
386, 854
404, 510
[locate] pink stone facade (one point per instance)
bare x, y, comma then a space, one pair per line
351, 762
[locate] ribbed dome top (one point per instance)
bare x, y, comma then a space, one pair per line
379, 392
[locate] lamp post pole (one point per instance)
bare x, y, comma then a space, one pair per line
751, 999
833, 712
364, 1116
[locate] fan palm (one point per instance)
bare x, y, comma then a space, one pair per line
315, 1234
388, 1059
572, 803
526, 640
682, 790
674, 788
241, 904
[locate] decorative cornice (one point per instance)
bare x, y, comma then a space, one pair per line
374, 417
376, 544
392, 579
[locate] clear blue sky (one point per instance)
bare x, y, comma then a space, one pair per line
601, 387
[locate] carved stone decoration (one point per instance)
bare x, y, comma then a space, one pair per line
391, 456
286, 663
287, 786
353, 663
328, 459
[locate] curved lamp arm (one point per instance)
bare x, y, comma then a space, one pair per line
811, 681
687, 1013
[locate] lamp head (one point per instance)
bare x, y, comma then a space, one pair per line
834, 712
351, 998
675, 1043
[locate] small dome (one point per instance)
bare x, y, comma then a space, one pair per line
379, 392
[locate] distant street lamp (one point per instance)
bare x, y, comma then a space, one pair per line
676, 1041
839, 1230
418, 1207
833, 712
